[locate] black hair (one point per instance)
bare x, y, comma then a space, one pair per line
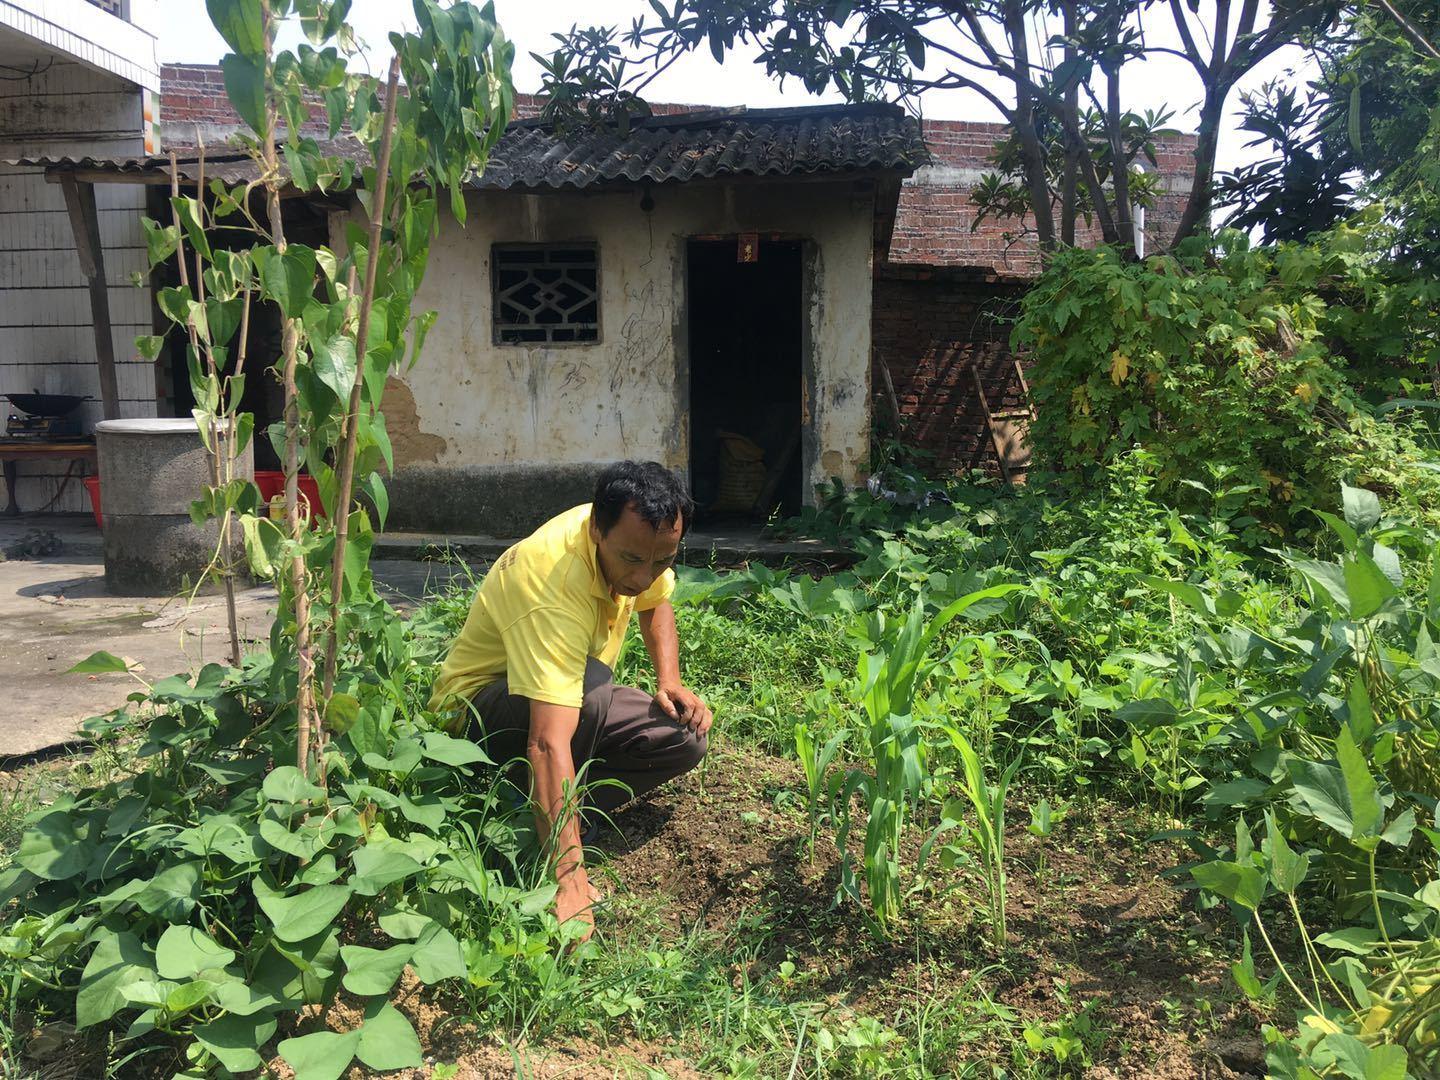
656, 493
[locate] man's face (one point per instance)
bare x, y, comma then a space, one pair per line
633, 554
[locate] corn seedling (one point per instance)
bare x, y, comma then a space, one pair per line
988, 831
890, 674
816, 762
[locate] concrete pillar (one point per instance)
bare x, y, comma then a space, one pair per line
150, 473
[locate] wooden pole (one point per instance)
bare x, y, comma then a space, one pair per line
85, 223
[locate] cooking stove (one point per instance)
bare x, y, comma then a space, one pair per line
23, 428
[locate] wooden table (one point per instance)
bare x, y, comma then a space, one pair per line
14, 451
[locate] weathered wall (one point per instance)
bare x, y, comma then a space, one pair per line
492, 438
46, 336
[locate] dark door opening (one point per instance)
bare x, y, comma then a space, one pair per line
746, 345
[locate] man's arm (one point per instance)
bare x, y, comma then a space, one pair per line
552, 727
657, 627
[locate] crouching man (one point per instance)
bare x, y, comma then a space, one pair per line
531, 670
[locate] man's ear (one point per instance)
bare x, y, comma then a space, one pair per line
594, 532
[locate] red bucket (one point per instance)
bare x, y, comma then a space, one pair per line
92, 485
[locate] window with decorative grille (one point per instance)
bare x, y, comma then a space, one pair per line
546, 293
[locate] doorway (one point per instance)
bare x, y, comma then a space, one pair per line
746, 347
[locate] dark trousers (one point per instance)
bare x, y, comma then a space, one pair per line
623, 735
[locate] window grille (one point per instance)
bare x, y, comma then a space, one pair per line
546, 293
114, 7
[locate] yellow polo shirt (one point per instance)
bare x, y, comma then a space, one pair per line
541, 611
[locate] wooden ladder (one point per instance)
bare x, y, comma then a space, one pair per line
1007, 436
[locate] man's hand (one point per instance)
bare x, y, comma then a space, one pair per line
684, 706
576, 899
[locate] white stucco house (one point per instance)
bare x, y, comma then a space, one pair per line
702, 278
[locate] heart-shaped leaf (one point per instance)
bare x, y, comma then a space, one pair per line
370, 972
184, 951
305, 914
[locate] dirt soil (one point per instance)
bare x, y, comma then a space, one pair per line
1094, 924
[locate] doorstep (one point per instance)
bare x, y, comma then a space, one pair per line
702, 547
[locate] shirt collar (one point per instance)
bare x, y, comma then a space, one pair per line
599, 588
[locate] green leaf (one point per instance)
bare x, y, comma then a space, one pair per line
234, 1040
1366, 586
54, 849
149, 345
288, 784
1243, 971
427, 811
1321, 789
245, 87
288, 279
1362, 718
239, 23
305, 914
334, 362
1287, 869
373, 971
387, 1039
172, 893
1243, 885
341, 712
184, 951
448, 750
321, 1055
437, 955
160, 241
404, 925
118, 960
98, 663
1366, 810
377, 867
1362, 508
1361, 1062
223, 318
1360, 940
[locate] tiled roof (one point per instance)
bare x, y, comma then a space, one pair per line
661, 149
712, 143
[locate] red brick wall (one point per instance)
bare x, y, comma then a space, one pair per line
934, 225
930, 326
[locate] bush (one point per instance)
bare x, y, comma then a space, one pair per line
1226, 360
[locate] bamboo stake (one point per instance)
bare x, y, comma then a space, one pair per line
352, 417
289, 348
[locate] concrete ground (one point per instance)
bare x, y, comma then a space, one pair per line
54, 612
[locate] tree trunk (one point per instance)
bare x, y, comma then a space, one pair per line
1119, 167
1069, 179
1031, 152
1197, 204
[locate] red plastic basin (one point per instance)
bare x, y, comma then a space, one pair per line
272, 483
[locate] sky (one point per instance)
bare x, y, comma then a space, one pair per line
186, 36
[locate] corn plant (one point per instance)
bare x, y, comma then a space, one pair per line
816, 761
898, 663
987, 834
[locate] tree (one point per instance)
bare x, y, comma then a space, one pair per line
1052, 68
1363, 130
